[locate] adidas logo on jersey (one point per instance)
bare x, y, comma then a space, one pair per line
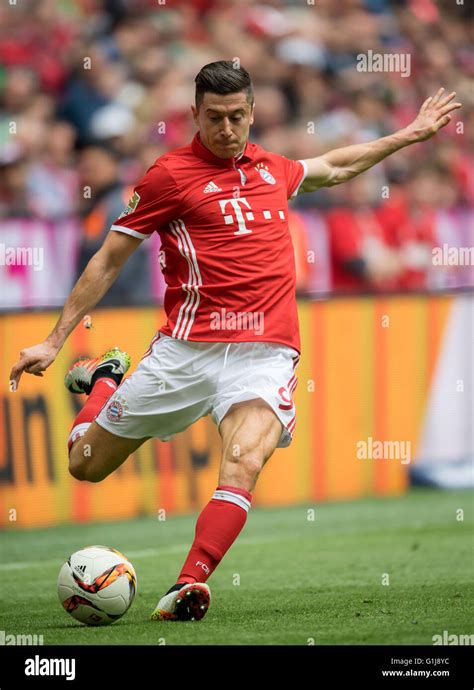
211, 187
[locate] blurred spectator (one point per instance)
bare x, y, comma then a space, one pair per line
105, 198
361, 257
409, 224
52, 180
122, 73
14, 200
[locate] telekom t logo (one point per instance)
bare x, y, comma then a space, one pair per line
239, 216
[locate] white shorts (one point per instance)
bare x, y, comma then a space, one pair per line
177, 382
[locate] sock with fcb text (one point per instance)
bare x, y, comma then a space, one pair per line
217, 527
100, 393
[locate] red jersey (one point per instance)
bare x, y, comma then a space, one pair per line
226, 250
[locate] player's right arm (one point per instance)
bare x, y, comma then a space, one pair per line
96, 279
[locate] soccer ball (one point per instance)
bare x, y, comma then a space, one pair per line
97, 585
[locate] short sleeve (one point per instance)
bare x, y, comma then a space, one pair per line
295, 174
154, 203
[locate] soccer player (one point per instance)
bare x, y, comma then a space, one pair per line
230, 345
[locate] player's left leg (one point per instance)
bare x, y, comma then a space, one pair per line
250, 433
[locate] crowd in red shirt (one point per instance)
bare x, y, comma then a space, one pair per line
122, 74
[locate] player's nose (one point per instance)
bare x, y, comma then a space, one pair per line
226, 128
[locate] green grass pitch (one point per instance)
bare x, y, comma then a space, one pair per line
287, 579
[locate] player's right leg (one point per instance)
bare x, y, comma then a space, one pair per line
98, 453
95, 452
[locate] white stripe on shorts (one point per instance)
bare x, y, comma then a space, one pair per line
187, 312
223, 495
150, 348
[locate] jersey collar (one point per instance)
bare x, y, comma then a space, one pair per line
202, 152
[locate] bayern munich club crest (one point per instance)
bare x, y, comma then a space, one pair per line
114, 411
265, 174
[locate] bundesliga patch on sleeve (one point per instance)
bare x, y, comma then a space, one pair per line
132, 205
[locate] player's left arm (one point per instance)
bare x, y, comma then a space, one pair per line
341, 165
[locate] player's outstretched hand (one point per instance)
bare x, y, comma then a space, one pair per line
434, 114
33, 360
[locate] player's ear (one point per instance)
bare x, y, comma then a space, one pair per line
251, 114
195, 114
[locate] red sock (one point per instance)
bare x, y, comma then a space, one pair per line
101, 392
217, 527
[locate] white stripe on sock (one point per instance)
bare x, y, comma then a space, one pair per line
223, 495
78, 431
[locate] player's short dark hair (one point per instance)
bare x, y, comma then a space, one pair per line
223, 77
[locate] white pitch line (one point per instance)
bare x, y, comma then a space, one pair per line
144, 553
22, 565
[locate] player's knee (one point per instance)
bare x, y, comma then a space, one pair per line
244, 461
86, 473
252, 465
82, 468
77, 470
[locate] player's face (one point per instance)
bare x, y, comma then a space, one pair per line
224, 122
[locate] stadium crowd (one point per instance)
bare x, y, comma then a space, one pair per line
93, 91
